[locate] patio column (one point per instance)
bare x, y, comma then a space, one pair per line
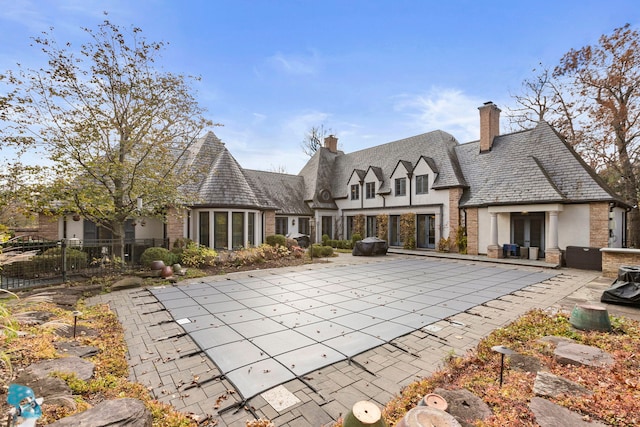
553, 230
494, 229
493, 251
552, 253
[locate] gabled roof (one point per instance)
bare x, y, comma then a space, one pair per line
532, 166
437, 145
407, 166
432, 164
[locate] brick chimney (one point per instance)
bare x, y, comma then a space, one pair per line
331, 142
489, 125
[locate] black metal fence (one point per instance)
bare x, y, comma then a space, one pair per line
30, 262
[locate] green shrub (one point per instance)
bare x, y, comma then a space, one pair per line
196, 256
157, 254
322, 251
326, 251
276, 239
325, 240
355, 237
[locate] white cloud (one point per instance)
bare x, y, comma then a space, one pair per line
442, 108
296, 64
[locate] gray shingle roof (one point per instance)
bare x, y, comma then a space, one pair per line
284, 192
533, 166
224, 183
437, 145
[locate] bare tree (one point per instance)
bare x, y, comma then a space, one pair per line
314, 139
278, 169
606, 86
593, 99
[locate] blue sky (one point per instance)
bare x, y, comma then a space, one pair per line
371, 71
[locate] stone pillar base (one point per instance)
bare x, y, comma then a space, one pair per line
553, 256
494, 251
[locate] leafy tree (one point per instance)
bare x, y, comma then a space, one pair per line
314, 139
115, 127
593, 99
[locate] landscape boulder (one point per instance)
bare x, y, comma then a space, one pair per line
112, 413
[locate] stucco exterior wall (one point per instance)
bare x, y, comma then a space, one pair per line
377, 200
573, 226
484, 229
153, 229
394, 199
75, 229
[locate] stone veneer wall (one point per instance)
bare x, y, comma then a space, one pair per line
614, 258
599, 225
454, 216
269, 223
472, 231
48, 226
175, 224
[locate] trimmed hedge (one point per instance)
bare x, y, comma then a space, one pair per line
158, 254
321, 251
276, 239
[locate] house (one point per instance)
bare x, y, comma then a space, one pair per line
528, 189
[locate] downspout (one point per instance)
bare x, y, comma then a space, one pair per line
441, 222
189, 224
410, 176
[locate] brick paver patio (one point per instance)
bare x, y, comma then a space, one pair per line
165, 359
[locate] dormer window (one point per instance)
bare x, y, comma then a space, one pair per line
370, 188
355, 192
401, 186
422, 184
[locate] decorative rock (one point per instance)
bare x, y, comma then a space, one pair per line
83, 369
525, 363
76, 349
579, 354
33, 317
549, 414
428, 416
112, 413
555, 340
81, 331
127, 283
549, 385
465, 406
46, 387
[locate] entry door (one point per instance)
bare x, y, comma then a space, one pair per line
528, 230
426, 231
